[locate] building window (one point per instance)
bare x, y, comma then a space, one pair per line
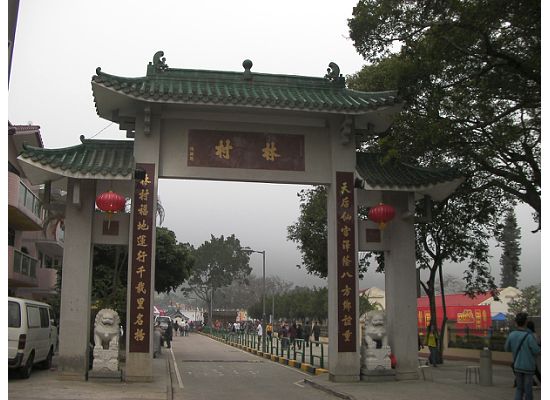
11, 237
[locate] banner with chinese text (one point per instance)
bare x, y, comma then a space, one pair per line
140, 279
345, 213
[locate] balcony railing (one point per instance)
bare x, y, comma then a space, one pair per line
24, 264
30, 201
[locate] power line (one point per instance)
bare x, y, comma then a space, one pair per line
101, 130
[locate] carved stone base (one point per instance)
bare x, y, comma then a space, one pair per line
105, 360
380, 375
375, 359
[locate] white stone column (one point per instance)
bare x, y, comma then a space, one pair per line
343, 366
139, 366
400, 271
74, 327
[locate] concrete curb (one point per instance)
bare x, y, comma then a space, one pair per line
275, 358
328, 390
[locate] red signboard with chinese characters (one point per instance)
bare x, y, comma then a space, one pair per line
251, 150
140, 278
472, 317
345, 212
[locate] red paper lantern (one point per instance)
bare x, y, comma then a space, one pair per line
381, 214
110, 202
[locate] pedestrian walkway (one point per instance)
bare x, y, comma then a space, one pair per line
44, 385
447, 381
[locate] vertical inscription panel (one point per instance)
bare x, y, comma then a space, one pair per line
140, 278
345, 214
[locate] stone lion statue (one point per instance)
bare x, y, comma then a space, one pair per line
375, 330
106, 329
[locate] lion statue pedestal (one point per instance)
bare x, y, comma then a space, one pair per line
375, 351
106, 335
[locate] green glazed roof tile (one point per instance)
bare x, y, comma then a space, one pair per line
250, 89
100, 158
398, 175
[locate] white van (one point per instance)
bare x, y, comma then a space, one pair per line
32, 335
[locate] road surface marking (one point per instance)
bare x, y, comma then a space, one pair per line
180, 383
298, 383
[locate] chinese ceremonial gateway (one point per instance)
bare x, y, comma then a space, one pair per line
237, 126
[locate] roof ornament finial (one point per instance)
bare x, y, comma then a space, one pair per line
333, 73
159, 62
247, 65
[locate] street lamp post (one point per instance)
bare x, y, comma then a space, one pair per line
248, 250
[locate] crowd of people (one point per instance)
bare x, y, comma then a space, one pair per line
287, 332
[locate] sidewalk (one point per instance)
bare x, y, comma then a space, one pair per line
447, 381
44, 385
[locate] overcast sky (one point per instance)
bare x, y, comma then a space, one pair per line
59, 45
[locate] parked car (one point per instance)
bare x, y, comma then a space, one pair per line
32, 335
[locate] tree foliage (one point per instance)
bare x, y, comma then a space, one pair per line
174, 261
469, 74
218, 263
310, 231
508, 239
529, 302
243, 294
300, 303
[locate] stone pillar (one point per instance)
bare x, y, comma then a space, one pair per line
400, 270
74, 332
139, 365
343, 366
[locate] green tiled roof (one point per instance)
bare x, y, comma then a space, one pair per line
246, 89
401, 176
113, 159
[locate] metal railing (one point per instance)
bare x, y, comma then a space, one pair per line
24, 264
30, 201
299, 350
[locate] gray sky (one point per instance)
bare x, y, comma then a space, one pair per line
59, 44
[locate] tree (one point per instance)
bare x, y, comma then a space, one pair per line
469, 75
218, 263
451, 284
310, 232
243, 294
509, 260
300, 303
174, 261
459, 233
528, 302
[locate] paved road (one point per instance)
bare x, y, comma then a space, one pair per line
207, 369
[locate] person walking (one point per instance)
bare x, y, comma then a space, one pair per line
282, 335
431, 341
292, 333
531, 327
307, 333
168, 335
299, 335
525, 350
316, 333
